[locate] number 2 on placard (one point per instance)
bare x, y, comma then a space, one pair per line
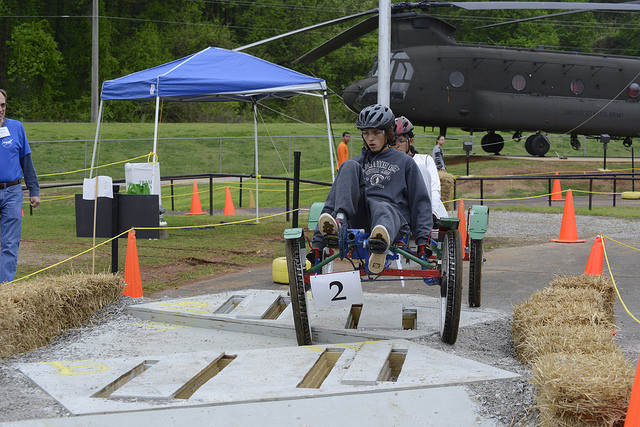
336, 297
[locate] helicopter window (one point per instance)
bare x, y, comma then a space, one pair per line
577, 87
399, 90
518, 82
633, 90
456, 79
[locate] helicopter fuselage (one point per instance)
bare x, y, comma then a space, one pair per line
478, 88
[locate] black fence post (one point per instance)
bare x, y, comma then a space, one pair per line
615, 181
287, 199
173, 208
240, 202
210, 195
590, 192
550, 190
296, 187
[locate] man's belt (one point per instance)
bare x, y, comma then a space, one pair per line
4, 185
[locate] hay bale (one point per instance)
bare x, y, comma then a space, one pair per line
602, 284
33, 312
558, 307
447, 182
573, 339
582, 389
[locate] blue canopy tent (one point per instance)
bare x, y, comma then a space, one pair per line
215, 75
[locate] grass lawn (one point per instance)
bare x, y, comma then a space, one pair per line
205, 246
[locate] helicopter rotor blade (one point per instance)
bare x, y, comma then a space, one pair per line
345, 37
515, 5
311, 27
533, 18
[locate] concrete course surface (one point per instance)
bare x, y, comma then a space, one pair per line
244, 370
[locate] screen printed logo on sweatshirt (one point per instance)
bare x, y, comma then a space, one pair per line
378, 172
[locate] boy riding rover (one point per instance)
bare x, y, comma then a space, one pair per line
381, 190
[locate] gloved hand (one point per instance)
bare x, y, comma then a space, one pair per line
314, 256
424, 252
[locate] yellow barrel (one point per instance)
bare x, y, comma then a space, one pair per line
630, 195
279, 270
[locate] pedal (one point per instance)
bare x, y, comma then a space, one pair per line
377, 246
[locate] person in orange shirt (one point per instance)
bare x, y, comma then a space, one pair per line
343, 149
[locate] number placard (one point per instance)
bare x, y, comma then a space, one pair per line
336, 289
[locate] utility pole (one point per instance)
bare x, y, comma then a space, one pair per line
384, 51
94, 62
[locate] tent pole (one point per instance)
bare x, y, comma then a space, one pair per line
95, 142
255, 132
155, 128
325, 104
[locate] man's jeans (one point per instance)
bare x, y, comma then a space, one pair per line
10, 230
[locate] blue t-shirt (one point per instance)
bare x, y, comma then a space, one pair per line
13, 147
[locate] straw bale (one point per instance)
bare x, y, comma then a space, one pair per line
558, 307
602, 284
447, 182
582, 389
572, 339
33, 312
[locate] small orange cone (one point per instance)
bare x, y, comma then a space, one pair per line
228, 203
196, 207
633, 410
22, 212
132, 269
462, 226
568, 229
556, 194
596, 257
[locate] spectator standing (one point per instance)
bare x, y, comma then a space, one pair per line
438, 155
15, 163
343, 148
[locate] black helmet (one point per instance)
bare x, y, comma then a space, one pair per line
375, 117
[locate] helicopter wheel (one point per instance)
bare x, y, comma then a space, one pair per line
627, 142
537, 145
492, 143
575, 142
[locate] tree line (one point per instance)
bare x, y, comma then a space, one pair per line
46, 65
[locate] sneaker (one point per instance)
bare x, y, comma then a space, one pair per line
329, 227
378, 245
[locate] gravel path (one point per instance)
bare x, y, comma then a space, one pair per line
506, 402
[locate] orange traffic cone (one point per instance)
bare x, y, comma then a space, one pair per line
228, 203
633, 410
133, 286
196, 207
462, 226
596, 257
556, 193
568, 229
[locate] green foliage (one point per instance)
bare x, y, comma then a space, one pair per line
35, 68
49, 59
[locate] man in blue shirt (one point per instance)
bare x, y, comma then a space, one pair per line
15, 162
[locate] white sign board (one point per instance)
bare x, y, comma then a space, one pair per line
337, 289
105, 187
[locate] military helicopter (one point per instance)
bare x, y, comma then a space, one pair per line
438, 82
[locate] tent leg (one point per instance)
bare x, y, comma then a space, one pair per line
255, 133
325, 104
95, 142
